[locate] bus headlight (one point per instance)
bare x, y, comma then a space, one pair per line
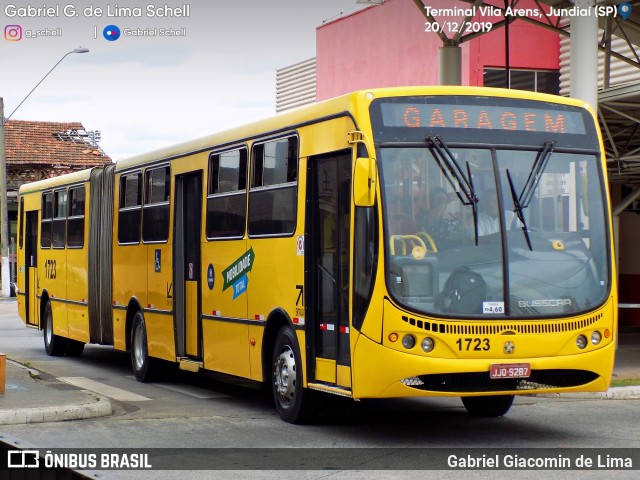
596, 337
408, 341
581, 342
427, 344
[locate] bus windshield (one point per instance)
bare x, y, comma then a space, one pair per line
493, 230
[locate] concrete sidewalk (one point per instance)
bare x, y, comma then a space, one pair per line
34, 396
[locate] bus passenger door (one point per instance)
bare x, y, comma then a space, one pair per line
188, 220
30, 269
328, 229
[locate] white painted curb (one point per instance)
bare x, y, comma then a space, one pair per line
614, 393
99, 408
622, 393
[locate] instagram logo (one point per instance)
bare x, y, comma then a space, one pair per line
13, 33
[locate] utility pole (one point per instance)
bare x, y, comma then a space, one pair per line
4, 207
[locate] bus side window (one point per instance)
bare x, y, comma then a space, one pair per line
365, 261
46, 220
59, 227
21, 228
155, 216
226, 194
75, 222
272, 199
130, 208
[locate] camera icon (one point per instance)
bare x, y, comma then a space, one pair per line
13, 33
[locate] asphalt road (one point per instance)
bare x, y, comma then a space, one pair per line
196, 411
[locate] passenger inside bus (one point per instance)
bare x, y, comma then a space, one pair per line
444, 227
488, 217
400, 222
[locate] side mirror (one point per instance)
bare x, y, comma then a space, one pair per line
364, 182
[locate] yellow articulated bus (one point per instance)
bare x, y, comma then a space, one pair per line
401, 242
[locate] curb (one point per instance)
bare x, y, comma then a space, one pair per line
615, 393
95, 406
101, 407
622, 393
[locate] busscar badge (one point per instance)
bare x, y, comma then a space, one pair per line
509, 347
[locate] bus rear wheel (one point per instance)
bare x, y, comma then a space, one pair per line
491, 406
293, 402
143, 365
54, 345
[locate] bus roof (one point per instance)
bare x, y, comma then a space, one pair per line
352, 103
48, 183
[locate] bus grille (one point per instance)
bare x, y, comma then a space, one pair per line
529, 327
482, 382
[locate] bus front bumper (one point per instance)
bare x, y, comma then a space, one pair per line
381, 372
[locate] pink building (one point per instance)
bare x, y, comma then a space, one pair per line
387, 45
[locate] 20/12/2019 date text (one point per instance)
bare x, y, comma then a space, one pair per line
456, 27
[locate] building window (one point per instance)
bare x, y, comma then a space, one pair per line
226, 194
155, 217
130, 212
272, 198
544, 81
75, 222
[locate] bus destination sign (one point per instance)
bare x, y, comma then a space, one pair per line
498, 117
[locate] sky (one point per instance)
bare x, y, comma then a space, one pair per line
147, 92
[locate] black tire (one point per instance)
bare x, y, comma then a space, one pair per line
144, 367
293, 402
54, 345
74, 348
491, 406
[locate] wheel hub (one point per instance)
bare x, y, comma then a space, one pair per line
49, 331
285, 374
138, 348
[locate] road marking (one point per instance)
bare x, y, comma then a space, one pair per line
104, 389
191, 391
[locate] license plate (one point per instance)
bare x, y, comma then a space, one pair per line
510, 370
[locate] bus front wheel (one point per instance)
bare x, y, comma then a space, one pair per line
293, 402
54, 345
74, 348
142, 364
491, 406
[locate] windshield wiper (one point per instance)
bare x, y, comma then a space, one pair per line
520, 202
462, 183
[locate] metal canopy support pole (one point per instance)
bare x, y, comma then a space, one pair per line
584, 68
450, 65
450, 54
607, 51
584, 55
